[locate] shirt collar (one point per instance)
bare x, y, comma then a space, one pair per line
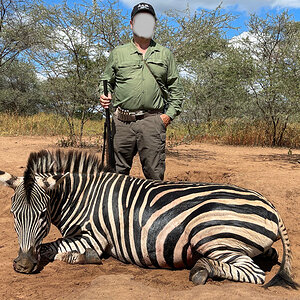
153, 47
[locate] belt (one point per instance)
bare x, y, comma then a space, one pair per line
125, 115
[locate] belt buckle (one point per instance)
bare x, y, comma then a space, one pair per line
139, 113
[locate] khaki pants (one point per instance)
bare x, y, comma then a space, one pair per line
147, 137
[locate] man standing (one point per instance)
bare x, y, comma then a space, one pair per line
143, 79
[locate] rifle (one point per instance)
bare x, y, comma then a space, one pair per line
107, 137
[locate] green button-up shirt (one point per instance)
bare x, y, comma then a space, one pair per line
134, 87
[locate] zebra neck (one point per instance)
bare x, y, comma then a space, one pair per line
84, 196
73, 203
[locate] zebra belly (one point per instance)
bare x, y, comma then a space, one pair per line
178, 259
180, 248
173, 252
157, 259
216, 241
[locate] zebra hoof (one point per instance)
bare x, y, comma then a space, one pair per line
91, 257
200, 277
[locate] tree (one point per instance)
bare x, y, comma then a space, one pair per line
212, 71
110, 26
217, 88
19, 29
78, 41
20, 92
274, 84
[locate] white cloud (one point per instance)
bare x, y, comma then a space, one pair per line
286, 3
242, 5
41, 76
237, 41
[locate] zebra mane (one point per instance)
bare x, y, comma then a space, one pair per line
45, 163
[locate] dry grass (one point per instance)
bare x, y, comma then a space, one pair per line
232, 132
255, 134
236, 132
43, 125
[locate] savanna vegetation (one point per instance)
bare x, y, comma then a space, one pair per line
241, 90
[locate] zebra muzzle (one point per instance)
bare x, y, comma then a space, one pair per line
26, 262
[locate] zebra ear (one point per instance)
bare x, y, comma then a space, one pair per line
9, 180
52, 182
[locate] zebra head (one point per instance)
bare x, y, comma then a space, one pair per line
31, 210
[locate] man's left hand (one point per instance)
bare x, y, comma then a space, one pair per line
166, 119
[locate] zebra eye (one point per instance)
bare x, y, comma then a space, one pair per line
43, 214
42, 217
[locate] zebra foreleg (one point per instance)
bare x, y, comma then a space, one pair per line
64, 250
237, 267
48, 251
90, 256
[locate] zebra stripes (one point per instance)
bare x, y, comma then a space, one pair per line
34, 231
214, 229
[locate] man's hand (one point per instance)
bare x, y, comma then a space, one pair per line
166, 119
105, 101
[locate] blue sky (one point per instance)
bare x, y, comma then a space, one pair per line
240, 8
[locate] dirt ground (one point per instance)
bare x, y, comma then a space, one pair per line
273, 172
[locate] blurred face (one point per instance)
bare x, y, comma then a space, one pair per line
143, 25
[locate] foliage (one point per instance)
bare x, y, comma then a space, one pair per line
74, 57
19, 87
19, 29
213, 72
228, 84
274, 85
255, 79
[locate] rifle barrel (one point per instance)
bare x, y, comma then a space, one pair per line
110, 155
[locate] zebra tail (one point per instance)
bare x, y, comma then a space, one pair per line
284, 275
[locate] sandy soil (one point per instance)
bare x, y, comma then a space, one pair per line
270, 171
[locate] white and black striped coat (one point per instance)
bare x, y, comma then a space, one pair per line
214, 229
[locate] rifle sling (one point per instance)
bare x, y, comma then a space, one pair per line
161, 89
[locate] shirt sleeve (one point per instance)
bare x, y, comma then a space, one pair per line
109, 75
175, 90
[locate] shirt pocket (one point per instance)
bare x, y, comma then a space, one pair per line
159, 68
127, 70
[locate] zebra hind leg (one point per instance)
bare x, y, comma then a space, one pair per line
236, 267
271, 254
267, 260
